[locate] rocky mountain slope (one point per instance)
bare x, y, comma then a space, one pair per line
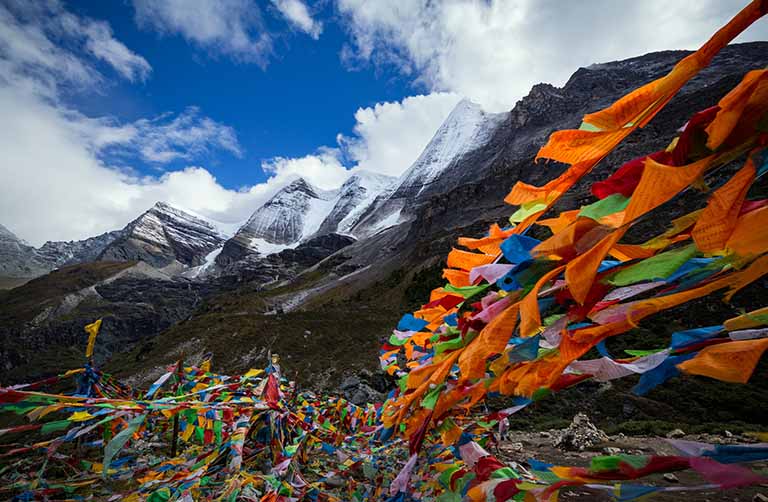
466, 129
354, 198
18, 259
327, 300
299, 212
165, 235
60, 253
397, 266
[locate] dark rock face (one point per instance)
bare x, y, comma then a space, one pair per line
132, 309
365, 386
60, 253
314, 250
163, 235
17, 259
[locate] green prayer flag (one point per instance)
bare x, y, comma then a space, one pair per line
656, 267
119, 441
466, 291
55, 426
526, 210
610, 205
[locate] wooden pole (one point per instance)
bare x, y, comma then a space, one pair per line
175, 439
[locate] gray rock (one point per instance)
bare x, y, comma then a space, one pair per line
676, 433
358, 391
670, 478
580, 435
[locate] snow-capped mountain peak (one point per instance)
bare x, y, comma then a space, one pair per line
356, 194
165, 234
290, 216
467, 128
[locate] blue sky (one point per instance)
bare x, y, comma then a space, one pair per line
214, 105
324, 94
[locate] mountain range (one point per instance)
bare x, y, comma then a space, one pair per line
321, 275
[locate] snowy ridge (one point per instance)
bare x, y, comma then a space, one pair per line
293, 214
355, 196
467, 128
163, 235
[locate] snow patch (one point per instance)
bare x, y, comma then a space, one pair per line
210, 260
265, 248
390, 221
314, 215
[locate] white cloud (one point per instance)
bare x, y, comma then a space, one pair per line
185, 137
101, 44
228, 27
324, 169
159, 140
297, 13
390, 136
31, 39
55, 187
494, 51
55, 184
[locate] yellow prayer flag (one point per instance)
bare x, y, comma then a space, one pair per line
92, 330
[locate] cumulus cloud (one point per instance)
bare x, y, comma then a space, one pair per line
55, 182
493, 52
233, 28
390, 136
31, 51
56, 187
297, 13
323, 169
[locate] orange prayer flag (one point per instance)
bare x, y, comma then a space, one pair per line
530, 317
660, 182
750, 236
491, 340
523, 192
457, 278
580, 272
465, 260
573, 146
720, 216
731, 108
489, 244
438, 293
627, 252
729, 362
749, 320
563, 244
559, 223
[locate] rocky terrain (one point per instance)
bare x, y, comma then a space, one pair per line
548, 446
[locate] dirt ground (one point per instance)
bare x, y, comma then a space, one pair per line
520, 446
